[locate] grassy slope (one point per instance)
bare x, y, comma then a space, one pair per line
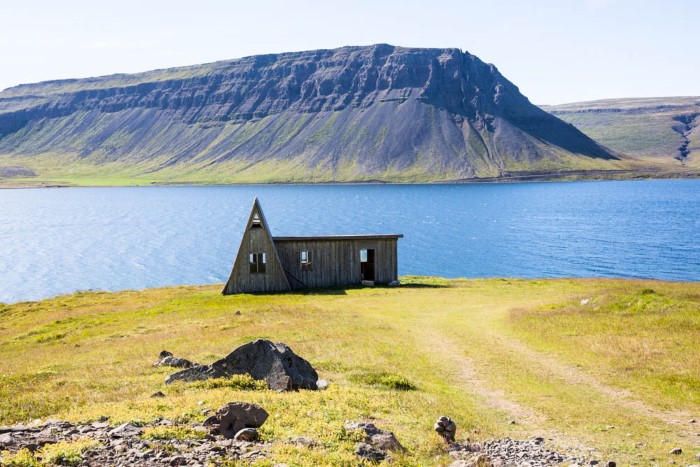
148, 149
640, 127
481, 351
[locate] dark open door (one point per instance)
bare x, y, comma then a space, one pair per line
367, 264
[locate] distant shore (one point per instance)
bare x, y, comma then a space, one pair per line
578, 175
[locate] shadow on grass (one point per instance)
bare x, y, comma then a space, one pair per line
420, 285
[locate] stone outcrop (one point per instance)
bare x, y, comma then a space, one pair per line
262, 359
354, 113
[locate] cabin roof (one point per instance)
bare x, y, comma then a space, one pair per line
310, 238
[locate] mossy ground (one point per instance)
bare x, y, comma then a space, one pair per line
566, 359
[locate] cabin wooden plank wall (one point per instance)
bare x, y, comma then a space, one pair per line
337, 262
256, 240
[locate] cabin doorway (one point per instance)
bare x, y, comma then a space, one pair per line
367, 264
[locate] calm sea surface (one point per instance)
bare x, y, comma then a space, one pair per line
55, 241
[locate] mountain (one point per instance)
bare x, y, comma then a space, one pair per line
654, 129
351, 114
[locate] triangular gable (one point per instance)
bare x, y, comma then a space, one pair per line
257, 239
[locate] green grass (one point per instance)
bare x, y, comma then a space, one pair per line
480, 351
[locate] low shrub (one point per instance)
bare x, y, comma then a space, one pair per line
238, 382
384, 379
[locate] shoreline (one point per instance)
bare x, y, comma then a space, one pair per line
541, 177
326, 290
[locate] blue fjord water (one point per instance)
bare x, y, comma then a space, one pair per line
55, 241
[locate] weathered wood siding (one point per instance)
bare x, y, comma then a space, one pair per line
256, 240
337, 262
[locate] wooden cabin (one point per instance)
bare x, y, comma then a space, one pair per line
278, 264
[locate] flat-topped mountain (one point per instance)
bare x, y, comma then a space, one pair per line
351, 114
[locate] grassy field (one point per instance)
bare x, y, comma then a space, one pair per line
607, 369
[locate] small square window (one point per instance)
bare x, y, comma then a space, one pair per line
306, 262
258, 263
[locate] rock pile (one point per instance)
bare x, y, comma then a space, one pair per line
276, 363
376, 443
124, 445
509, 452
446, 428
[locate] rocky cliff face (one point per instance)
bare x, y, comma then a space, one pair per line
355, 113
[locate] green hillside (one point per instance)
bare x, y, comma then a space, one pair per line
665, 129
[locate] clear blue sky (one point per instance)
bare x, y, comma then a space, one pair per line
556, 51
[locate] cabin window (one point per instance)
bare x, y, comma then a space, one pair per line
256, 223
258, 263
363, 256
306, 263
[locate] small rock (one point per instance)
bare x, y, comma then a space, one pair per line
386, 441
322, 384
367, 452
611, 464
165, 358
125, 430
675, 451
692, 420
446, 428
158, 394
585, 301
511, 422
247, 434
382, 439
303, 441
235, 416
238, 313
6, 440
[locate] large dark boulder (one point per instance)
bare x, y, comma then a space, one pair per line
276, 363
